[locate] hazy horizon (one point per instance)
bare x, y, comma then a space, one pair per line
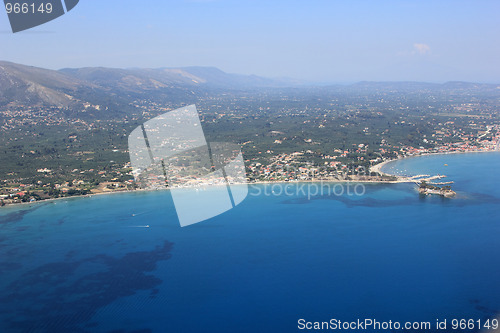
317, 41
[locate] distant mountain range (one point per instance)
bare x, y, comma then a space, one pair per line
137, 79
27, 85
32, 85
411, 85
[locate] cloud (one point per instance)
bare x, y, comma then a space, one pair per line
420, 48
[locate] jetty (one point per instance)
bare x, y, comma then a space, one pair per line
427, 185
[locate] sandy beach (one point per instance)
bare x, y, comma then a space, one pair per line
378, 167
375, 168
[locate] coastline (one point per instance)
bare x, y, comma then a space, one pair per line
378, 167
46, 201
374, 168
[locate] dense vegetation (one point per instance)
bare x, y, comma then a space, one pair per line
49, 145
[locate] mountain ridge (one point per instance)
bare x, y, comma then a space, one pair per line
24, 84
29, 85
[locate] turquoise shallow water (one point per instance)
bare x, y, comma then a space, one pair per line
86, 265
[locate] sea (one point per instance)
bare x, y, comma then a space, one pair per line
290, 257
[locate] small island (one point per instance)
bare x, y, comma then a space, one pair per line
427, 189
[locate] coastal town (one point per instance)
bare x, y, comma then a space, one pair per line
337, 166
337, 134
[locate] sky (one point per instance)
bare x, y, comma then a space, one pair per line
323, 41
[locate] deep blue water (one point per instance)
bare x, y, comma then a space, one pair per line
84, 265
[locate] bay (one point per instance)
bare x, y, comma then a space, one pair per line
286, 253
